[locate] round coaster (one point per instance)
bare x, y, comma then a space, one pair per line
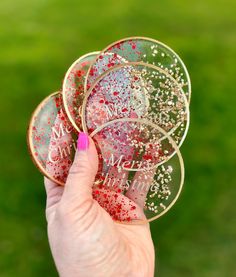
52, 139
73, 87
137, 181
147, 50
137, 90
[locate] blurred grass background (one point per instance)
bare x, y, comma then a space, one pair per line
39, 39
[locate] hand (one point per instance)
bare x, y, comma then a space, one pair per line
83, 238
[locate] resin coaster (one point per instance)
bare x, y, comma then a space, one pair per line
73, 87
137, 90
52, 139
137, 180
141, 49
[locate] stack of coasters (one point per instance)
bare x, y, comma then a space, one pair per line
133, 99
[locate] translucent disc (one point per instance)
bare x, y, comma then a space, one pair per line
140, 49
136, 181
73, 87
52, 139
137, 90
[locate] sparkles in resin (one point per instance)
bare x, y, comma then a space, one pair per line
133, 99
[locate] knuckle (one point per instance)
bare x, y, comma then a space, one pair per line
78, 166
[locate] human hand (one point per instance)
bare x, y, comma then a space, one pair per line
83, 238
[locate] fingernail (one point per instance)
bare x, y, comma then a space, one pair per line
83, 142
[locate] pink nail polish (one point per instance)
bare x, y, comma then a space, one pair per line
83, 142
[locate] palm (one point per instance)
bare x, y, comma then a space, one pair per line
95, 232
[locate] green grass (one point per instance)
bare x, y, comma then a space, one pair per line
39, 39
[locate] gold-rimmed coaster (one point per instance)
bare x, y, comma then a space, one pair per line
137, 90
137, 181
147, 50
52, 139
73, 88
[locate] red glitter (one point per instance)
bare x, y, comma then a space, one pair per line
147, 157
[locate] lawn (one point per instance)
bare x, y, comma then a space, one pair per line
39, 39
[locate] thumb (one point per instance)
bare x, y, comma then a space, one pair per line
78, 187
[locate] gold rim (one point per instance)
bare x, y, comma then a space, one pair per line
152, 40
64, 87
30, 142
144, 121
